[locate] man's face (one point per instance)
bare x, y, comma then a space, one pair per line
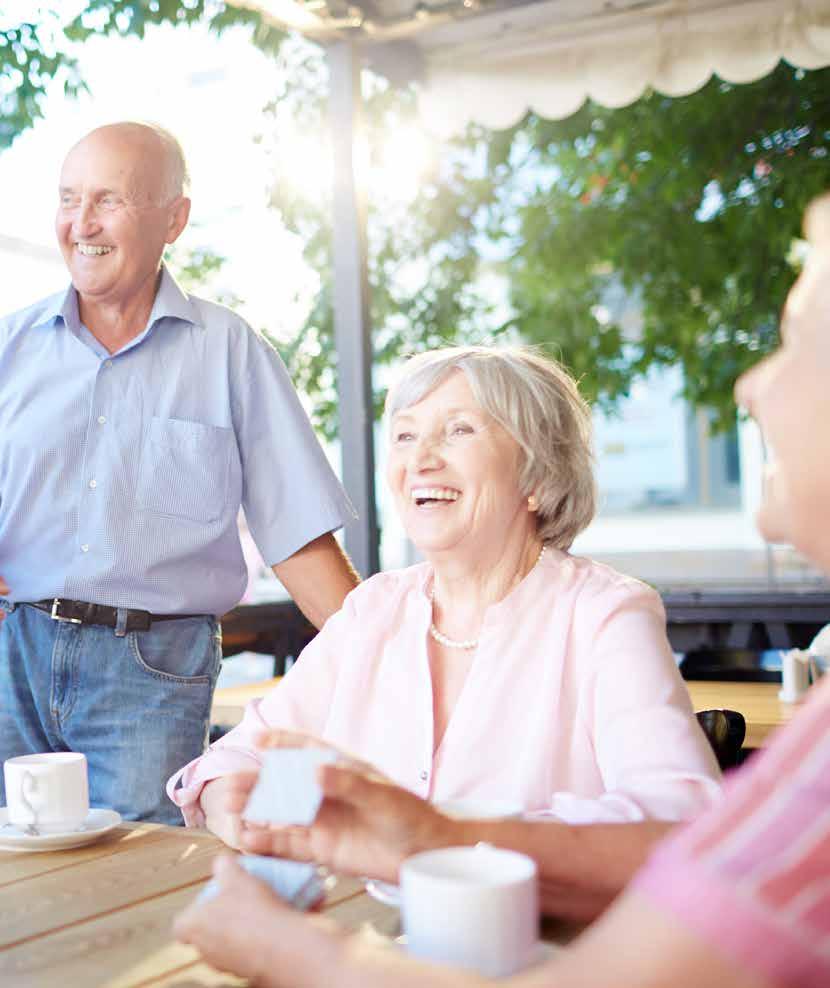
111, 222
789, 396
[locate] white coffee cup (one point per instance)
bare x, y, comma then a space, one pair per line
475, 907
476, 808
48, 791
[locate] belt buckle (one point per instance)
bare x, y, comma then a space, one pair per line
58, 617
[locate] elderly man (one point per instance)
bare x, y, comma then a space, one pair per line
134, 421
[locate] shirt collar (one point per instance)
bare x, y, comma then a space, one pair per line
171, 302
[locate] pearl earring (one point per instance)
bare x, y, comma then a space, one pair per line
532, 503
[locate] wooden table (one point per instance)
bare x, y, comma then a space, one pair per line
758, 702
100, 916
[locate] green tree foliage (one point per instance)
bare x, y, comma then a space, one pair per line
425, 261
692, 204
38, 52
30, 59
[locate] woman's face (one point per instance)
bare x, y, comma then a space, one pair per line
789, 396
454, 473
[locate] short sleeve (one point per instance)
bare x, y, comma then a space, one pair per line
752, 876
290, 493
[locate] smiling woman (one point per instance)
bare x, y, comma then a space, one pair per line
502, 667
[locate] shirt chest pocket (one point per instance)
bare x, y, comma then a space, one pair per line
184, 470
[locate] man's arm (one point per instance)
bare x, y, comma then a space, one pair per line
318, 577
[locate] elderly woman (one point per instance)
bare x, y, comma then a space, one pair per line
501, 667
737, 898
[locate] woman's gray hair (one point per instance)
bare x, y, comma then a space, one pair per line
537, 401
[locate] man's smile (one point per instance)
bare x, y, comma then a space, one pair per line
90, 250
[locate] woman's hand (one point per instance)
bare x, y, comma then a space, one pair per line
222, 802
366, 826
246, 929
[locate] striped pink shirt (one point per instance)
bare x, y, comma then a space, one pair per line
752, 876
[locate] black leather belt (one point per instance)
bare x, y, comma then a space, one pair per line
79, 612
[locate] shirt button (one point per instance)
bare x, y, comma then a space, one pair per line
93, 484
85, 548
107, 364
102, 419
424, 776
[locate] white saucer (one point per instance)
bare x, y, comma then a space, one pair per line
542, 952
98, 823
385, 892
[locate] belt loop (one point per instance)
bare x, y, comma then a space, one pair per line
121, 616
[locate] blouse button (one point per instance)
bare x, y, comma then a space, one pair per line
424, 775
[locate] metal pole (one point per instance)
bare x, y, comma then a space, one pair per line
351, 309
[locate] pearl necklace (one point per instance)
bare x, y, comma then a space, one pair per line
466, 643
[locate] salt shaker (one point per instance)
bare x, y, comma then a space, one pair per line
795, 675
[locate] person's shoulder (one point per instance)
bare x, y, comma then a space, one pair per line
32, 315
388, 587
228, 330
220, 319
594, 582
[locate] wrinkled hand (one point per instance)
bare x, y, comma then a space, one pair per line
248, 930
224, 799
366, 826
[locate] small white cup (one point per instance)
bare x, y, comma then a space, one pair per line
795, 675
49, 791
475, 907
481, 809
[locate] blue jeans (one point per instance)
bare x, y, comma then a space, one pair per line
137, 705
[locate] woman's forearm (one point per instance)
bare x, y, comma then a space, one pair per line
582, 868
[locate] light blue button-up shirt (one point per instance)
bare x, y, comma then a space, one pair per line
121, 475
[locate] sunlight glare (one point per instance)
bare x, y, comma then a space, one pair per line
402, 164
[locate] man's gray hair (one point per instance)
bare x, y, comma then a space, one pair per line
176, 176
537, 401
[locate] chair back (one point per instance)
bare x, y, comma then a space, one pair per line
725, 731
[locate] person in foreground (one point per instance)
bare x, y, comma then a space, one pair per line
502, 667
134, 421
739, 897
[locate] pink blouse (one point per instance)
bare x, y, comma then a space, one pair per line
573, 705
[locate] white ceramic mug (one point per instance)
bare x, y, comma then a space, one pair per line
49, 791
475, 907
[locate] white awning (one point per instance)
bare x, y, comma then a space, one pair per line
494, 68
491, 61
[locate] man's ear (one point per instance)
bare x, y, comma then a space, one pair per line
177, 219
